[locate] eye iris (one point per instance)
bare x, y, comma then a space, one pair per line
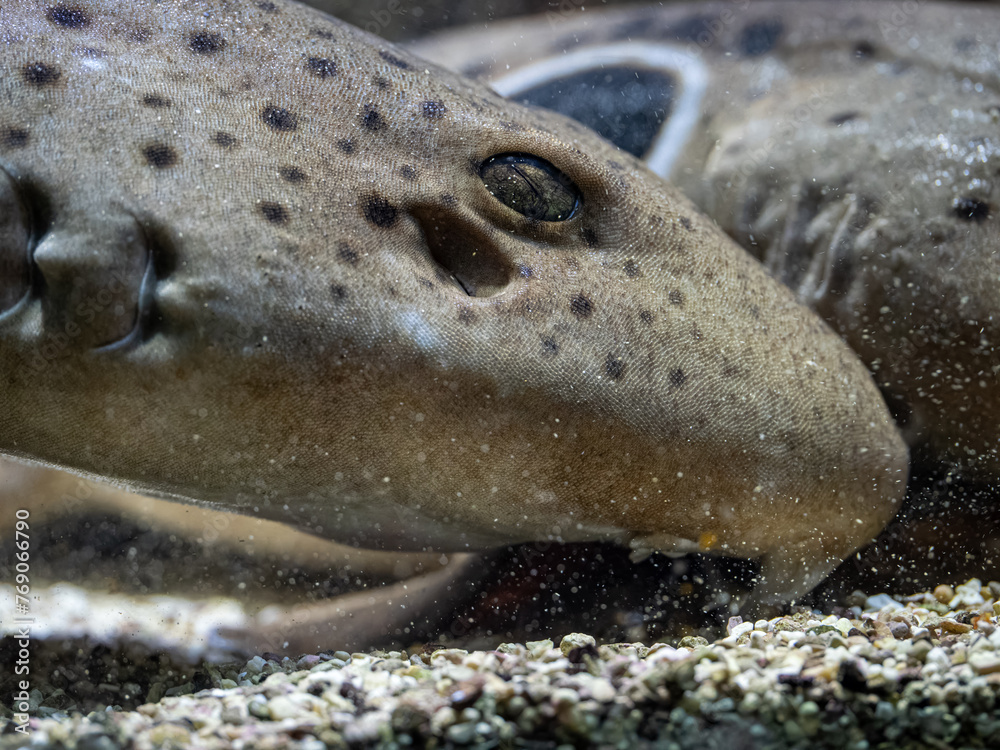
530, 186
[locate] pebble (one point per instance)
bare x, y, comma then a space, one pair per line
944, 593
537, 649
985, 663
886, 674
574, 641
900, 630
881, 601
968, 594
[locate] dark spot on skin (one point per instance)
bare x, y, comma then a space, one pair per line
322, 33
863, 50
321, 67
223, 139
338, 292
589, 236
155, 101
393, 60
426, 283
434, 110
347, 253
407, 172
526, 272
614, 367
646, 317
275, 213
677, 378
92, 53
382, 83
581, 307
206, 42
372, 120
292, 174
631, 269
971, 209
68, 16
615, 166
549, 347
843, 117
39, 74
511, 127
379, 211
268, 7
346, 145
760, 37
449, 200
466, 316
279, 119
675, 297
14, 138
160, 155
754, 312
686, 223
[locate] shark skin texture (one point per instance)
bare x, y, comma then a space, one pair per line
259, 261
853, 147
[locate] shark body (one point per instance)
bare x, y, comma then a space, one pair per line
257, 260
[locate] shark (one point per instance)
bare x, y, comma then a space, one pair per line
852, 147
259, 261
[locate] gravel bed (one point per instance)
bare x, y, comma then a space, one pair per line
919, 672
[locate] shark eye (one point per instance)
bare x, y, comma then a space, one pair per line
531, 186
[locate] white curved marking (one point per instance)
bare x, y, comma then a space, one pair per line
691, 72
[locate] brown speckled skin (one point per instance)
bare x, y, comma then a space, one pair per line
239, 215
855, 148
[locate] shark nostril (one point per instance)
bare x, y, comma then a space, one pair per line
468, 254
97, 280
